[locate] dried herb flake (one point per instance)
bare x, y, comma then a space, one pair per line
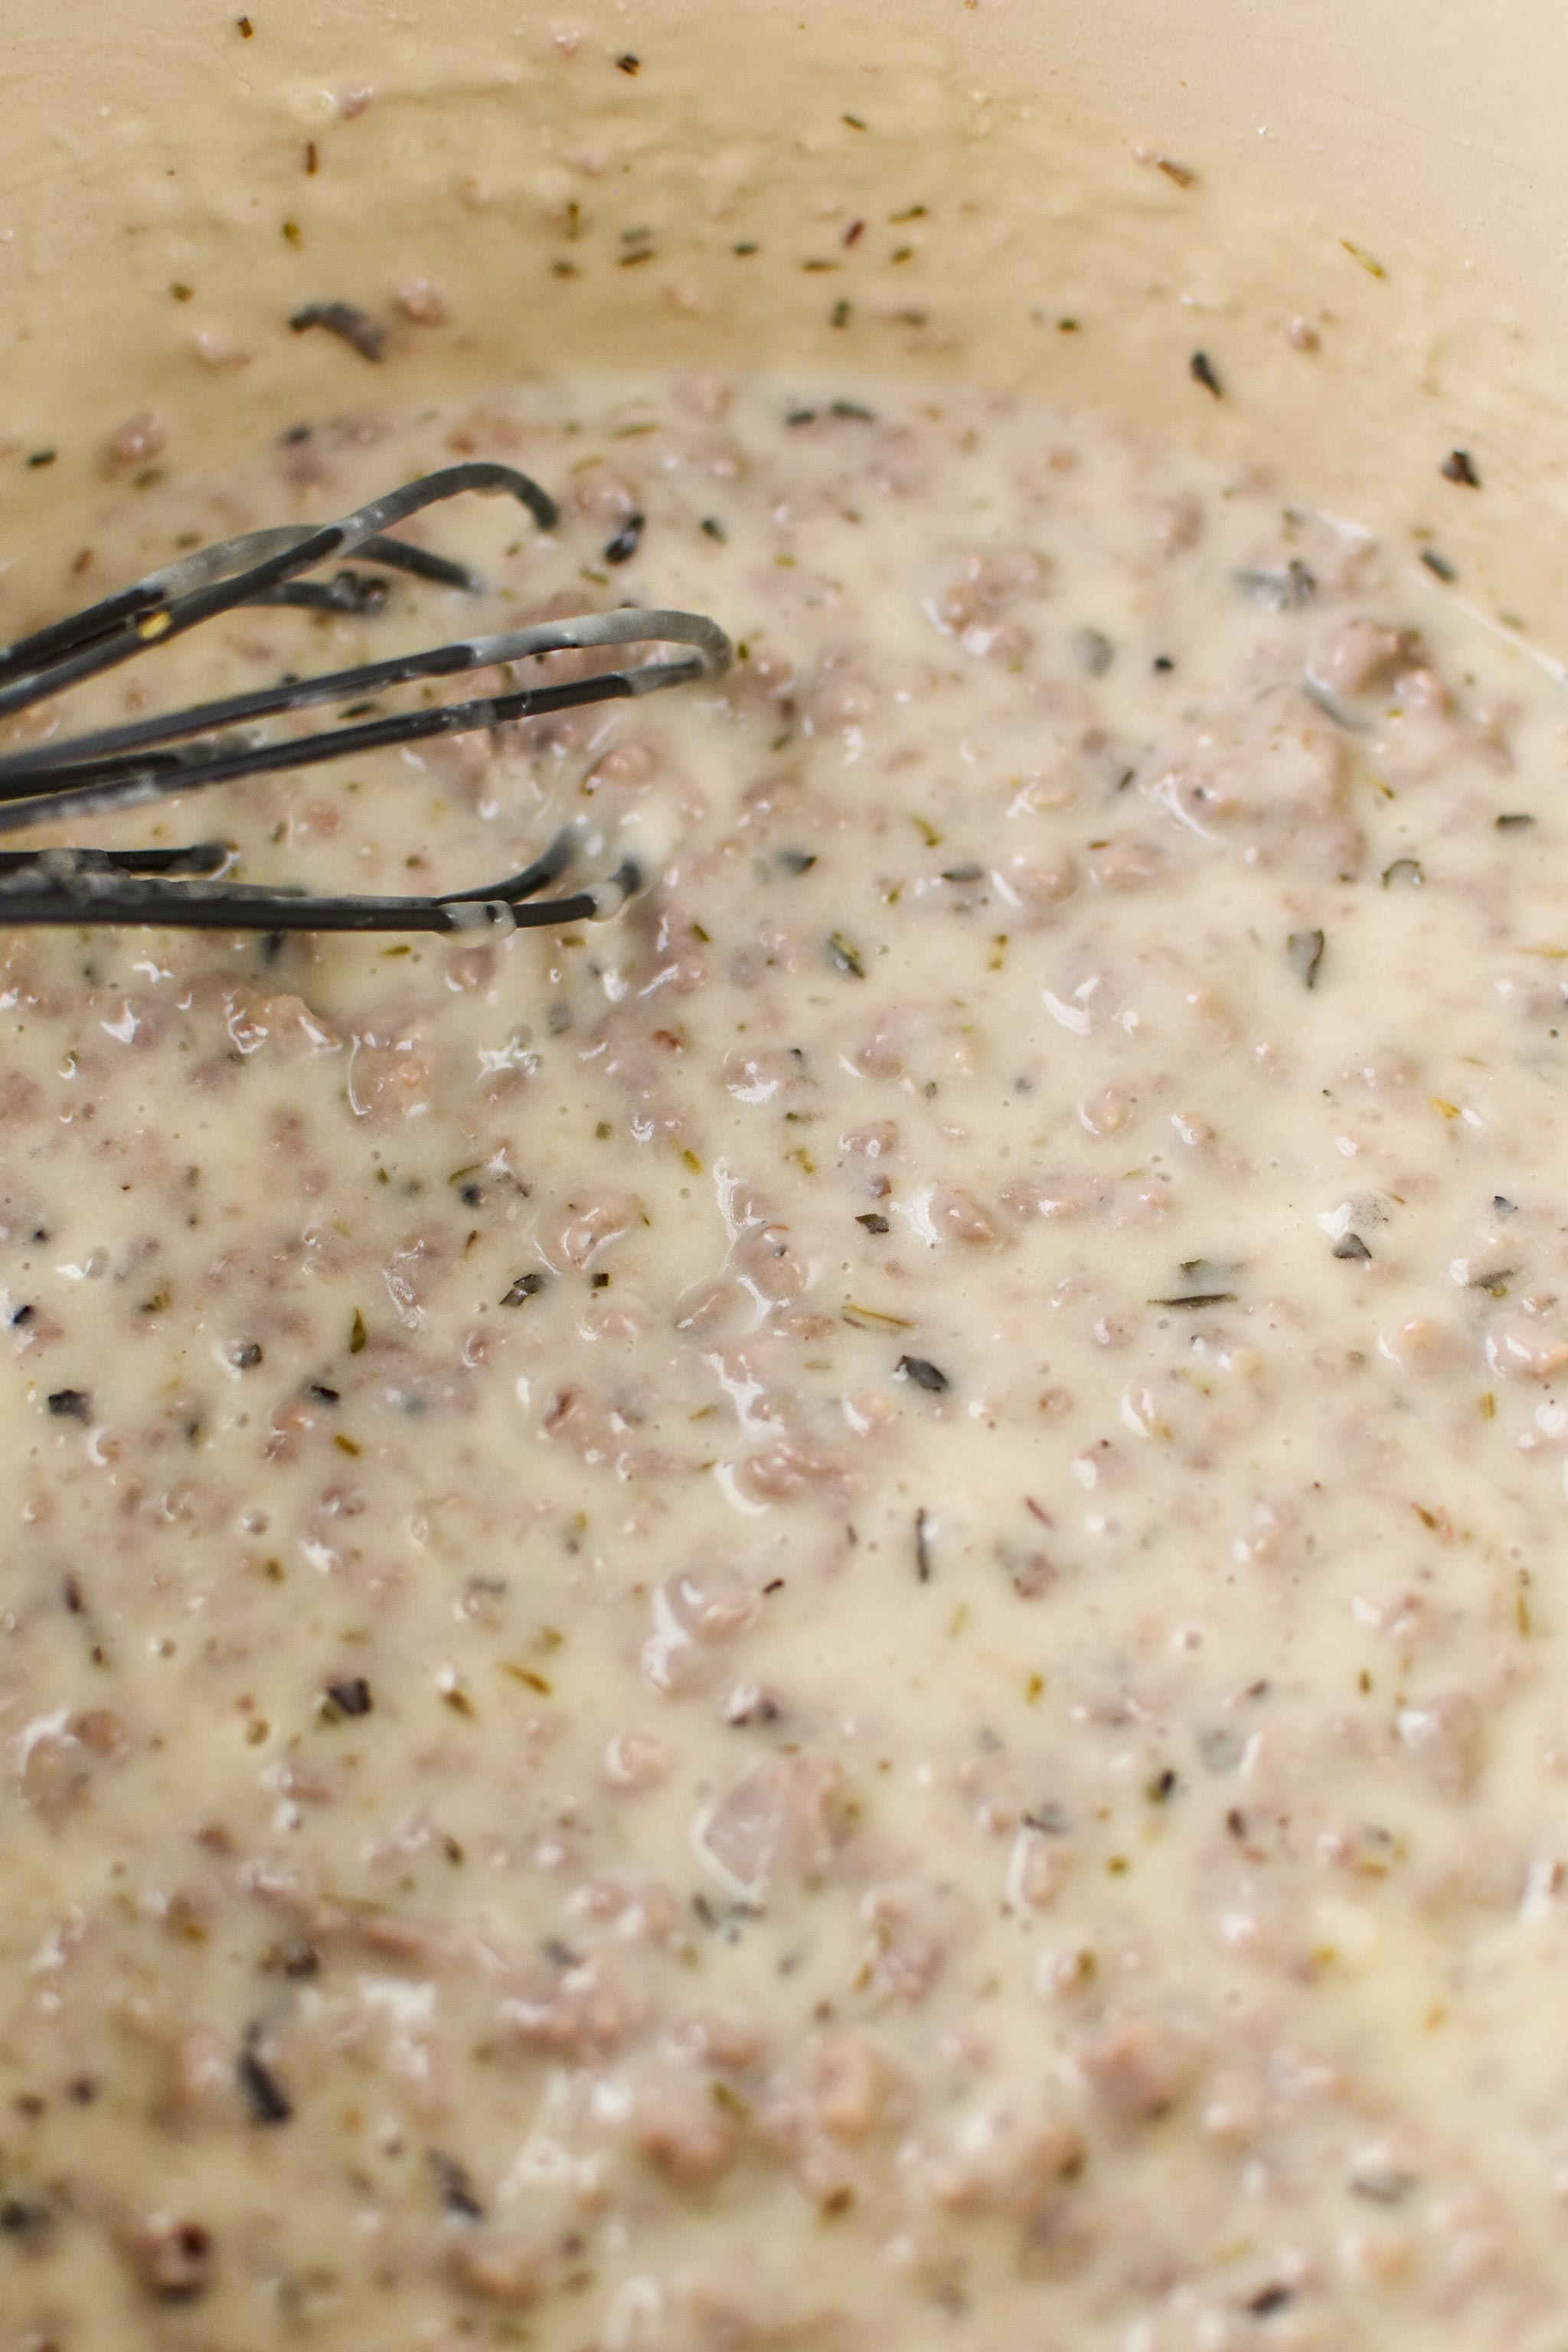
21, 2219
1279, 592
350, 1697
1269, 2299
862, 1319
354, 327
456, 2189
1305, 949
625, 544
269, 2103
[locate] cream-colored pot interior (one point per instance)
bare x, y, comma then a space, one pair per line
177, 182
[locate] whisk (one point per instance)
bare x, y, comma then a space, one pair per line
219, 742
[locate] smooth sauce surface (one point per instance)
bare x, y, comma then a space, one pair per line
941, 1728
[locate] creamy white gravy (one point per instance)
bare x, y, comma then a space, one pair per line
948, 1730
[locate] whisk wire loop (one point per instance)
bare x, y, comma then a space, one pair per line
225, 740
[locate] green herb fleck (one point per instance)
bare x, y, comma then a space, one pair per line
1305, 949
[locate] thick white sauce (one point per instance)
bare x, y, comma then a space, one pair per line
1065, 1847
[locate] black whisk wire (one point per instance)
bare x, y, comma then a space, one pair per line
219, 742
